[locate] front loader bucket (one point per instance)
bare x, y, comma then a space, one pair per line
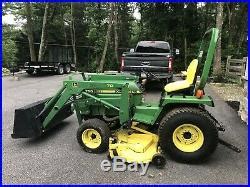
26, 123
28, 120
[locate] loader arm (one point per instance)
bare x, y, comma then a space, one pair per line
71, 88
34, 119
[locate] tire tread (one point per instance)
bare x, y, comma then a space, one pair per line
178, 112
102, 128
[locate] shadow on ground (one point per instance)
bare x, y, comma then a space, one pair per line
47, 135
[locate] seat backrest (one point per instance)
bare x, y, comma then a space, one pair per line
191, 71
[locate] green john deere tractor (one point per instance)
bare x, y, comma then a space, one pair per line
113, 116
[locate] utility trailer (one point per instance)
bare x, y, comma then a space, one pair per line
57, 58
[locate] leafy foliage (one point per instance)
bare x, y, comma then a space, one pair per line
9, 47
182, 24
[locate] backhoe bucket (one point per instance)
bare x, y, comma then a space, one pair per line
28, 121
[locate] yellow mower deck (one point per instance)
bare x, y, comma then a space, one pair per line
135, 145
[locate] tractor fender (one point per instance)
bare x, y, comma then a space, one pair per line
182, 99
170, 102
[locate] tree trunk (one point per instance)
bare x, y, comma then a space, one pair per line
44, 38
64, 30
242, 28
116, 35
73, 34
29, 29
219, 23
206, 15
185, 53
230, 13
107, 39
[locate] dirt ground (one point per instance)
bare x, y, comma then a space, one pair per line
234, 95
229, 92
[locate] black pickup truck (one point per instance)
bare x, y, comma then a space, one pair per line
149, 58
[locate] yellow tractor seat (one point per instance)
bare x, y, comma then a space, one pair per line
184, 84
184, 73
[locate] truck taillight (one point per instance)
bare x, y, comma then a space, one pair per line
122, 64
170, 64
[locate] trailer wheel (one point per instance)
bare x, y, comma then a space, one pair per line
60, 69
93, 136
30, 71
38, 71
188, 134
67, 69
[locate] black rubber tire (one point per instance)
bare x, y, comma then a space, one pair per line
171, 79
102, 128
38, 71
60, 69
159, 160
30, 71
67, 68
188, 115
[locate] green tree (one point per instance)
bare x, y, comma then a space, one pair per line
181, 24
9, 46
219, 22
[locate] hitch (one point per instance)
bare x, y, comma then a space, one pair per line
230, 146
221, 128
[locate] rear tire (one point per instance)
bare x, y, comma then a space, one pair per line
93, 136
188, 134
60, 70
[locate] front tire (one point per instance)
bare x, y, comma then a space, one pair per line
188, 134
93, 136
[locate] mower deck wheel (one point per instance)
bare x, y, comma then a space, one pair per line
159, 160
93, 136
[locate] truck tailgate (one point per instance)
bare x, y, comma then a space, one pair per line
152, 62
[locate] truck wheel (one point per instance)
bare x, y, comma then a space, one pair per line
67, 69
93, 136
188, 134
60, 69
170, 79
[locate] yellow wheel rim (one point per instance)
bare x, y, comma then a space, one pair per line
91, 138
188, 138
